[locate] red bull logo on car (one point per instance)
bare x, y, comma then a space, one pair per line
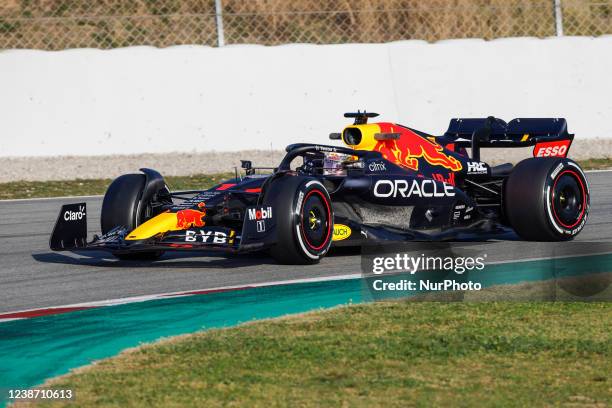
191, 218
410, 147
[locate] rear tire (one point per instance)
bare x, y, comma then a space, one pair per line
547, 199
122, 206
304, 219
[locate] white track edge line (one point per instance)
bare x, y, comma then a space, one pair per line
598, 171
144, 298
19, 200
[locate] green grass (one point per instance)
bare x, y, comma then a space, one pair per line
596, 164
38, 189
383, 354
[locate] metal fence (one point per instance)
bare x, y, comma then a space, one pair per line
60, 24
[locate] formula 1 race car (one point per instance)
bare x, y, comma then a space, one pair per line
391, 182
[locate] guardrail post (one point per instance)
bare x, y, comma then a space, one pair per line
559, 18
219, 18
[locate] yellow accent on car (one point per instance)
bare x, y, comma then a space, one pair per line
525, 137
341, 232
366, 133
163, 222
312, 220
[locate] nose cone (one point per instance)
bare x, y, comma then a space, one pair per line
163, 222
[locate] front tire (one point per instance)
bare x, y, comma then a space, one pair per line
304, 219
122, 206
547, 199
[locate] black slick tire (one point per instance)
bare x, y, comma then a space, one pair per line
304, 219
547, 199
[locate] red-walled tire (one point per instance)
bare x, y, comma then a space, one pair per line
304, 219
547, 199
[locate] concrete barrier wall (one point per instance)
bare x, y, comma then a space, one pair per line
193, 98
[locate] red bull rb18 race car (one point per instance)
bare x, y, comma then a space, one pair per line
389, 182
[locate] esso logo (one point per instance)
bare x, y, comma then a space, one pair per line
551, 149
557, 151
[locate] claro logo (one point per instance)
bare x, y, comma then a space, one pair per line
418, 188
75, 215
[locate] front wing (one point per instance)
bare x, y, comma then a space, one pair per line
70, 233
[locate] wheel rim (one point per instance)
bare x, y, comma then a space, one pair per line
568, 199
315, 222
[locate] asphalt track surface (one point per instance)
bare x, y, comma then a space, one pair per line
31, 276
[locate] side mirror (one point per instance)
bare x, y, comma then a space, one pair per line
247, 165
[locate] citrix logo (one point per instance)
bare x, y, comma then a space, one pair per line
377, 166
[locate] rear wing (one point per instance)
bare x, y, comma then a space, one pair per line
549, 135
